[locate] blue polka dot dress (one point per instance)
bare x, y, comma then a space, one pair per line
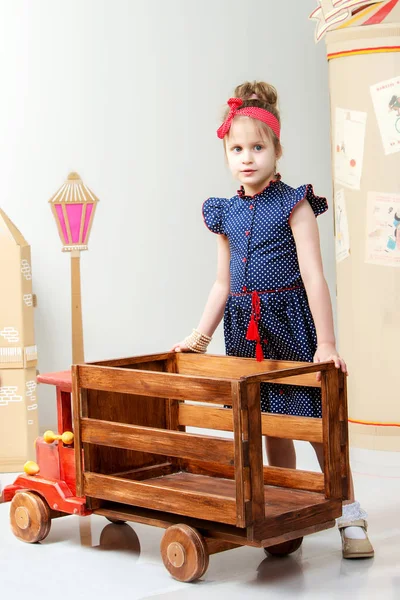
266, 286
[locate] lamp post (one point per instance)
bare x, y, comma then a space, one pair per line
73, 207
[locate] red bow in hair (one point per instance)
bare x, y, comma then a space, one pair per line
234, 104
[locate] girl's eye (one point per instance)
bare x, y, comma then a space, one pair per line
258, 147
237, 149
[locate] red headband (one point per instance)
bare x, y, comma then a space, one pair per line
250, 111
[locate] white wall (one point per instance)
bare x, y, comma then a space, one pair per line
129, 94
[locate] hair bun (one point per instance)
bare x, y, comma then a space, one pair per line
258, 90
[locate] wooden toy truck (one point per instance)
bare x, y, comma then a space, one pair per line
134, 461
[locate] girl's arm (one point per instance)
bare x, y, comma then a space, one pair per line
215, 305
305, 231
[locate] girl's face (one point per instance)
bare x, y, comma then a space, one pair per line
251, 154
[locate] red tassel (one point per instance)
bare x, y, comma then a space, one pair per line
253, 333
252, 330
259, 352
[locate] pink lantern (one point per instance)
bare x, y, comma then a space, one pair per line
73, 208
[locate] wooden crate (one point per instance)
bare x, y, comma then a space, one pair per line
140, 463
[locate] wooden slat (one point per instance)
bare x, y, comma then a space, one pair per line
281, 426
242, 491
292, 428
275, 476
212, 469
149, 495
332, 434
210, 365
219, 531
132, 360
344, 442
292, 535
215, 546
162, 385
206, 417
291, 372
295, 479
229, 366
150, 365
308, 379
279, 500
156, 441
198, 483
149, 472
296, 519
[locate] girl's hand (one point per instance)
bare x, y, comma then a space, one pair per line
180, 347
327, 352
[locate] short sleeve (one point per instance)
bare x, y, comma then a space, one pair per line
214, 214
306, 192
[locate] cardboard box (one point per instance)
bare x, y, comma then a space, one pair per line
18, 352
18, 418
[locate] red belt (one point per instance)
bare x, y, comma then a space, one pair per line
253, 333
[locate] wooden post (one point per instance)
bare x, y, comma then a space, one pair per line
76, 411
332, 433
255, 450
344, 457
76, 309
241, 456
248, 453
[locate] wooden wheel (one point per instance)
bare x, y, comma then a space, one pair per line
116, 521
30, 517
184, 553
122, 537
285, 548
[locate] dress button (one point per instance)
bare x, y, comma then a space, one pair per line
251, 207
244, 289
247, 232
244, 259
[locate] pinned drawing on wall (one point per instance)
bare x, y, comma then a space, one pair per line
339, 14
349, 147
383, 229
386, 100
342, 238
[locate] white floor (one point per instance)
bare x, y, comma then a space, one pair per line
91, 558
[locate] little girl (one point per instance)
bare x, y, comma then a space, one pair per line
270, 286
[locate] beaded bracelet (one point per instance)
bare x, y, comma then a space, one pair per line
197, 342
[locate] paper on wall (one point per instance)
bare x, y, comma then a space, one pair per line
342, 238
386, 101
383, 229
349, 146
334, 14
